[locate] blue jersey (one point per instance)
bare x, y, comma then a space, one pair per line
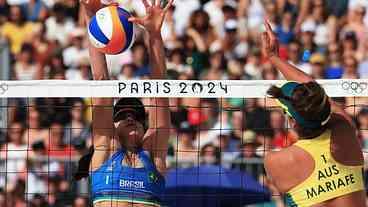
115, 182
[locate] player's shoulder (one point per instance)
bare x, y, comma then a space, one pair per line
278, 161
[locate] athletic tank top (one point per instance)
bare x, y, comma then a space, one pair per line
115, 182
329, 179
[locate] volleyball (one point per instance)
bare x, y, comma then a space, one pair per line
110, 31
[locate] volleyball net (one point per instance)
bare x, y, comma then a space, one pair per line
220, 131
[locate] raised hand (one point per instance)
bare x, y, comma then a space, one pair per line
270, 44
155, 15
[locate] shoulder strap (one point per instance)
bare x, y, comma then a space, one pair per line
147, 162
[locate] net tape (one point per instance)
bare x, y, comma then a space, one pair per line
167, 88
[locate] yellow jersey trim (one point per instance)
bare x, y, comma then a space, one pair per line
134, 201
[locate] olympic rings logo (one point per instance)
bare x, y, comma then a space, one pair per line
3, 88
354, 86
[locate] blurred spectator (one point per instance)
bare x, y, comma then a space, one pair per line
81, 72
54, 110
349, 43
208, 121
319, 17
258, 118
195, 51
362, 119
63, 194
355, 21
217, 70
253, 67
37, 172
210, 155
35, 10
282, 136
317, 62
253, 12
140, 60
58, 25
284, 31
38, 201
183, 10
233, 44
228, 148
269, 72
25, 68
363, 64
55, 146
80, 202
247, 149
179, 113
3, 199
184, 148
55, 66
4, 11
238, 120
264, 138
76, 51
350, 68
77, 128
127, 72
308, 31
176, 62
15, 152
17, 195
16, 30
334, 70
43, 48
294, 56
248, 144
34, 131
216, 15
201, 30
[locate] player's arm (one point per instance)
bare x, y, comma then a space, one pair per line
272, 163
157, 136
102, 113
270, 47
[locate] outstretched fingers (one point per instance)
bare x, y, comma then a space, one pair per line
136, 20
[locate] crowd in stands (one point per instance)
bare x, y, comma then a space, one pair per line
204, 40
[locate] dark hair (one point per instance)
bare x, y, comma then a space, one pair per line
206, 18
83, 108
308, 100
217, 152
83, 165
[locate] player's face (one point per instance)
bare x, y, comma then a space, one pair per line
129, 130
